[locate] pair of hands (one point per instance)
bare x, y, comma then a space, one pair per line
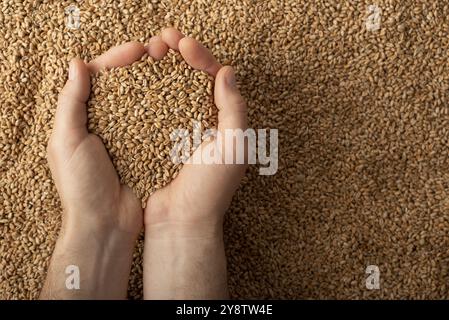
96, 207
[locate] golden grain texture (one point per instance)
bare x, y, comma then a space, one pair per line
135, 110
363, 126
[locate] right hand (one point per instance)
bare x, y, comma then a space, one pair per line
196, 200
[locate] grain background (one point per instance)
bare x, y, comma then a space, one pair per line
363, 125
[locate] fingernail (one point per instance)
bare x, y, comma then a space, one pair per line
72, 71
230, 79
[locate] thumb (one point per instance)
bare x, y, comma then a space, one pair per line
71, 113
232, 112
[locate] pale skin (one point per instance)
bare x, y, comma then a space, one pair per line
184, 252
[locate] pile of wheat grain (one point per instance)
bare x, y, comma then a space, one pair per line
363, 124
135, 109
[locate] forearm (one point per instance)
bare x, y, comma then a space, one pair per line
184, 265
104, 261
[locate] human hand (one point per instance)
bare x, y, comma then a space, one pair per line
101, 218
184, 251
196, 200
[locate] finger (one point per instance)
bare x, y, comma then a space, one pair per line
197, 56
171, 36
119, 56
156, 48
232, 112
71, 115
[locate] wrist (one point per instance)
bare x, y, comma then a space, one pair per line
172, 221
181, 263
105, 226
102, 257
182, 229
96, 235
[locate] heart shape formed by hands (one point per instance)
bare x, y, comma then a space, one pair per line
142, 110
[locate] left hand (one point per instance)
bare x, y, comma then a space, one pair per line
101, 218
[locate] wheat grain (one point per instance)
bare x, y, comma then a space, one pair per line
363, 129
134, 115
